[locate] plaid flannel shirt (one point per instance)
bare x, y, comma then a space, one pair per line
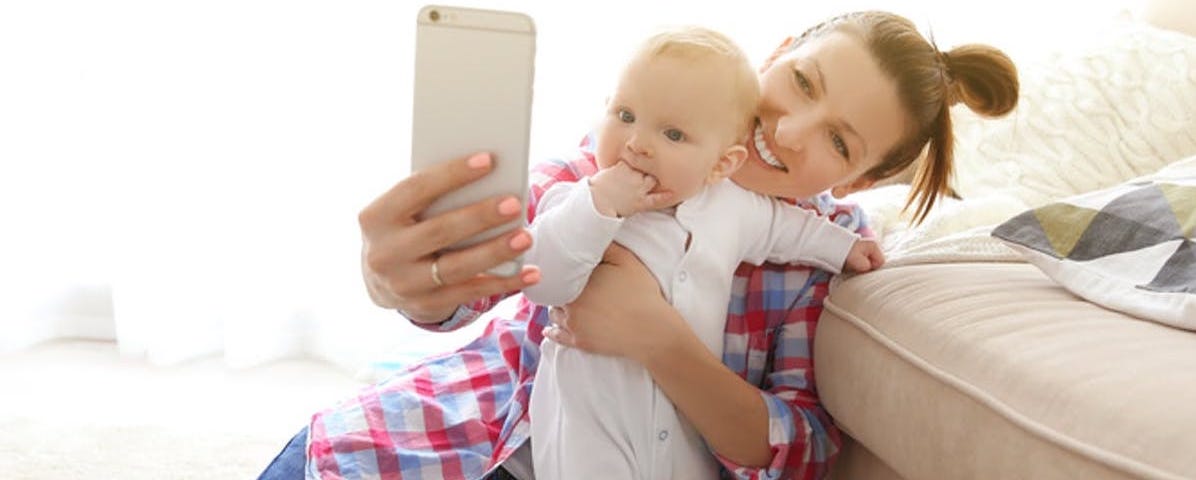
458, 415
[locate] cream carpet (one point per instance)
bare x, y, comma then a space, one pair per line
76, 410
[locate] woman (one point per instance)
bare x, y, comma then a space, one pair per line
851, 101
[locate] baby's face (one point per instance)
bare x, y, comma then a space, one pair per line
671, 119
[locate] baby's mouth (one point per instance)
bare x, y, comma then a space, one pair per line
632, 166
766, 154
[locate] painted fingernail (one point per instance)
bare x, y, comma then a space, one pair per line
520, 241
510, 206
531, 277
479, 160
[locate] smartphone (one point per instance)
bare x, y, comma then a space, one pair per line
473, 93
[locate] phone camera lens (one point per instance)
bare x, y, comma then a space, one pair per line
434, 15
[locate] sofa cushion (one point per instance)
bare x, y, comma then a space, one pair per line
992, 370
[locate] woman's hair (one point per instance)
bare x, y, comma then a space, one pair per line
700, 44
929, 82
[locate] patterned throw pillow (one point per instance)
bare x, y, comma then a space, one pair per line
1129, 247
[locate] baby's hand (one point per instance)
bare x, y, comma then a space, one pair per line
864, 256
621, 191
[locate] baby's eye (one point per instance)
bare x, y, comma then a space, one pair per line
674, 134
626, 116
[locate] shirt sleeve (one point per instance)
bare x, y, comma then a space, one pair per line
802, 435
570, 236
801, 236
541, 178
464, 315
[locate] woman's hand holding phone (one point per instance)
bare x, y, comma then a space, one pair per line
399, 250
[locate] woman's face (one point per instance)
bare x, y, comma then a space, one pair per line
827, 114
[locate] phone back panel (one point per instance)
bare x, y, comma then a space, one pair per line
473, 92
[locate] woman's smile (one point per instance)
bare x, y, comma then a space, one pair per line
763, 151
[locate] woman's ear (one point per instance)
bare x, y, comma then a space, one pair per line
730, 161
862, 183
781, 49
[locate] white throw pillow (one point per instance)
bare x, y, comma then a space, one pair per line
1128, 247
1120, 106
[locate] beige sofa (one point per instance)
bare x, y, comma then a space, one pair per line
993, 370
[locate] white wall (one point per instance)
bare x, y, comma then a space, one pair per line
230, 143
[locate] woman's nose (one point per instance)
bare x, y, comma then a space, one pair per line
794, 131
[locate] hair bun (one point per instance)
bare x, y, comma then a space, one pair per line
954, 88
982, 77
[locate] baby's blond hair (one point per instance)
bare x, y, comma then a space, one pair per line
703, 44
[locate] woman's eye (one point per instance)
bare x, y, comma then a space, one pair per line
625, 116
674, 135
803, 82
840, 145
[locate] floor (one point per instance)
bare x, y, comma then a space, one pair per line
75, 409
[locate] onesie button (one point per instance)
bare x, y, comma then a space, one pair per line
663, 435
681, 276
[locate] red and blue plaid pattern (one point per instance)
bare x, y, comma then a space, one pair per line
460, 414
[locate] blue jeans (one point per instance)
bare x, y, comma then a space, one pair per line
289, 463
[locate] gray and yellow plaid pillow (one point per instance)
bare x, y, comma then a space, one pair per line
1129, 248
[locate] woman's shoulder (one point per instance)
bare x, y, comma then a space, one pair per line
846, 214
565, 168
570, 167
